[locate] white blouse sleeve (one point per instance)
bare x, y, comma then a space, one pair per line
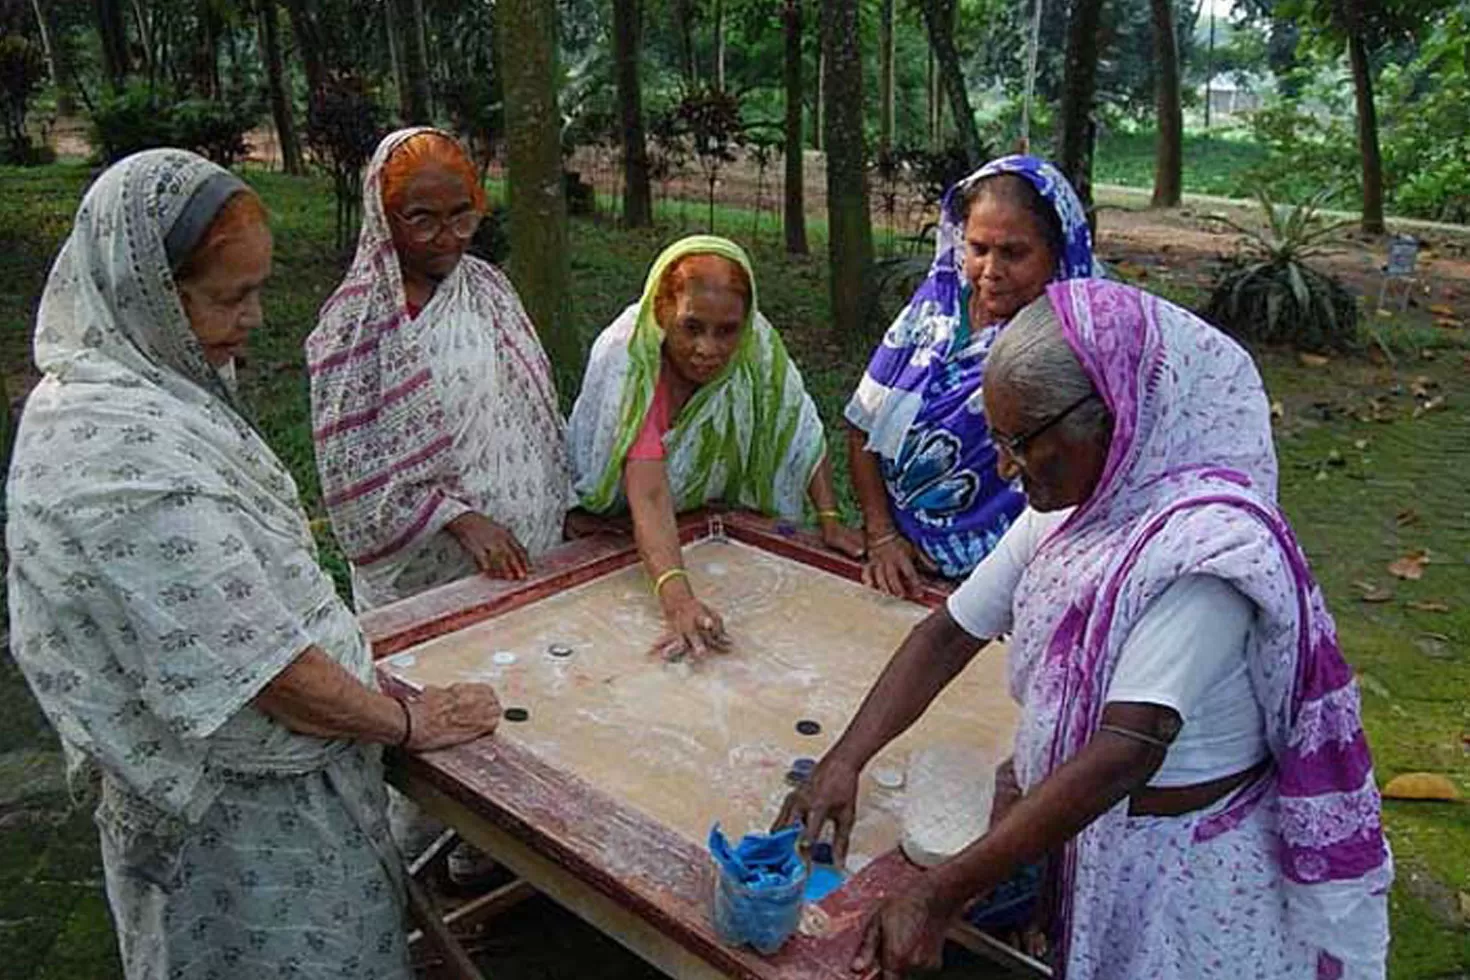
982, 603
1189, 640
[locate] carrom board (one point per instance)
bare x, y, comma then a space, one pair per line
624, 761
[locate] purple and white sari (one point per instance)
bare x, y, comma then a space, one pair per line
1290, 874
919, 400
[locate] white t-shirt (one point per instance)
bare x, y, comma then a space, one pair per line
1187, 652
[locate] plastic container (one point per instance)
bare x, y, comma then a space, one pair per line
763, 914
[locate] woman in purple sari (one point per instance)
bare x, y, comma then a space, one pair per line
1190, 754
922, 462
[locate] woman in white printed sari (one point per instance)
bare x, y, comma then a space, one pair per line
170, 616
438, 438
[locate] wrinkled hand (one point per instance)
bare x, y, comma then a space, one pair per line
894, 566
905, 935
445, 716
691, 629
494, 549
843, 539
828, 796
581, 524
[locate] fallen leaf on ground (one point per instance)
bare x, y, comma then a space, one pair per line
1440, 309
1373, 593
1278, 411
1406, 517
1421, 786
1360, 445
1437, 402
1429, 606
1313, 360
1422, 385
1410, 566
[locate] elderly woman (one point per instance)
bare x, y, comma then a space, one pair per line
690, 398
440, 445
170, 616
922, 460
1190, 752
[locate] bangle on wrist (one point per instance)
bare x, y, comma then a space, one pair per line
666, 578
407, 723
829, 515
882, 539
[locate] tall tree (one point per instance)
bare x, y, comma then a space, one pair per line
114, 34
275, 73
526, 30
1169, 151
684, 24
310, 43
1079, 86
849, 224
43, 26
1353, 22
637, 196
939, 15
415, 53
795, 218
719, 26
886, 115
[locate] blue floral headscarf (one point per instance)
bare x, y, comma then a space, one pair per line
919, 400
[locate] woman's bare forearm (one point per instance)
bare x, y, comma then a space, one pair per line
867, 484
316, 696
655, 525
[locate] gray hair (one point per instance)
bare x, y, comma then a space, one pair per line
1032, 357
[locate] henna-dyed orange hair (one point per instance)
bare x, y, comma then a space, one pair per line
426, 149
243, 210
697, 266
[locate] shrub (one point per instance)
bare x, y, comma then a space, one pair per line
139, 118
1272, 296
343, 126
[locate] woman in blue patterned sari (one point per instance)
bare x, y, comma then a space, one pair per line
922, 461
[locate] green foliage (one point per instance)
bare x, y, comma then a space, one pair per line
1272, 296
21, 72
140, 118
344, 124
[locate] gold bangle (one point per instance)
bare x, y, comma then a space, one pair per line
832, 515
882, 539
665, 578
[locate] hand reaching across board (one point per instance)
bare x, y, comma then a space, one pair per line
828, 796
691, 628
445, 716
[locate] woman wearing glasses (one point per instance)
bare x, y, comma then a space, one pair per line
922, 459
440, 444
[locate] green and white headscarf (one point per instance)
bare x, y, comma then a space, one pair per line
751, 437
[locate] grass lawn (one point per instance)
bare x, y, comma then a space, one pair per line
1213, 162
1360, 493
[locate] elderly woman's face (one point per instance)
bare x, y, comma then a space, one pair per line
1007, 259
433, 220
702, 327
1056, 469
222, 297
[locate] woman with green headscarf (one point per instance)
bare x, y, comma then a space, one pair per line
690, 398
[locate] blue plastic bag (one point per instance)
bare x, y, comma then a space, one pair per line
759, 888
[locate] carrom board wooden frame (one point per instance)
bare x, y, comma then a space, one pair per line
554, 830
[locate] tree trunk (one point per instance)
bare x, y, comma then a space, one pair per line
270, 46
684, 17
819, 104
309, 44
720, 45
415, 62
114, 34
931, 101
795, 218
52, 70
1367, 134
1074, 154
940, 17
1169, 153
850, 230
885, 76
395, 57
637, 196
526, 31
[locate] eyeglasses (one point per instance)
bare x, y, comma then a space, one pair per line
1016, 445
424, 228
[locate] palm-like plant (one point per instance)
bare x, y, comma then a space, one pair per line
1271, 294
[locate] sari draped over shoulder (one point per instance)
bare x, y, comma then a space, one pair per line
751, 437
420, 419
162, 574
1189, 488
920, 400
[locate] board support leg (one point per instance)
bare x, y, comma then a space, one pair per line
983, 944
